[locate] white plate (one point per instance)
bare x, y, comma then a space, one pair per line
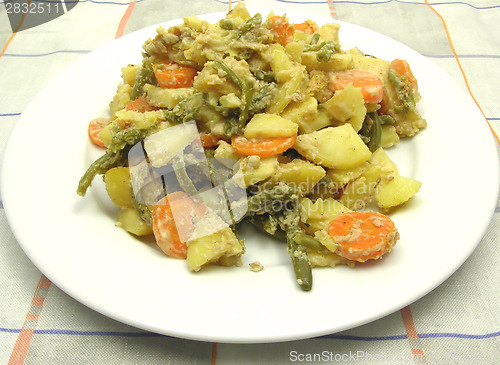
74, 242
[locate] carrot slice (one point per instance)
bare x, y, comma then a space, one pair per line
372, 86
140, 105
209, 140
281, 29
95, 127
402, 68
306, 27
363, 235
262, 147
169, 231
171, 75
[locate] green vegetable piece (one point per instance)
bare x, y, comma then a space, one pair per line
324, 49
187, 109
262, 98
268, 224
371, 131
144, 211
144, 76
281, 201
127, 137
308, 241
246, 91
250, 24
226, 24
298, 253
99, 167
267, 76
315, 38
404, 93
182, 176
376, 133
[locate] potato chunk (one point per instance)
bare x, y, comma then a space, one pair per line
303, 113
166, 98
396, 191
347, 106
316, 216
221, 247
129, 220
333, 147
299, 173
118, 186
256, 169
269, 125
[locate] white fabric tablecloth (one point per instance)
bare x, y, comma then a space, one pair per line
457, 323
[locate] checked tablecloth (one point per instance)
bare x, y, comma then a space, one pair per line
457, 323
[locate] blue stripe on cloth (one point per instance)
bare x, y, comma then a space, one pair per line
89, 1
332, 336
83, 51
420, 335
9, 114
96, 333
416, 3
365, 338
458, 335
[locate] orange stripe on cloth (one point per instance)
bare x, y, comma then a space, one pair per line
411, 332
23, 342
123, 22
333, 11
15, 31
461, 68
214, 354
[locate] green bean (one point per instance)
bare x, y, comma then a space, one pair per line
386, 119
232, 127
376, 133
268, 224
99, 167
298, 252
144, 211
127, 137
144, 76
182, 176
246, 92
405, 94
262, 98
267, 76
308, 241
250, 24
315, 38
186, 110
301, 264
324, 49
226, 24
230, 74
